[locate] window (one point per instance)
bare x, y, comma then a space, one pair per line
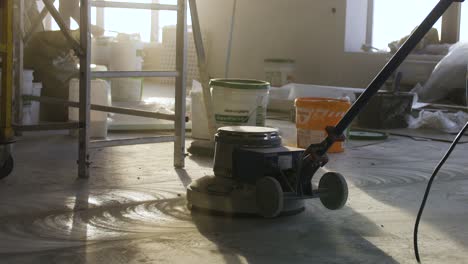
373, 24
129, 21
395, 19
149, 24
464, 22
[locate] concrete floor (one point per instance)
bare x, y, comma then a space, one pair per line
132, 210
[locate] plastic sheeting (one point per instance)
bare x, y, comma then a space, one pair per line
446, 122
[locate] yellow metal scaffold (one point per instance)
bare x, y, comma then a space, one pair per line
6, 96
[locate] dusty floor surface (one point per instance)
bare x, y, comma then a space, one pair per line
132, 210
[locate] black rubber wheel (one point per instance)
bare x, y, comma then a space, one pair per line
7, 167
333, 190
269, 196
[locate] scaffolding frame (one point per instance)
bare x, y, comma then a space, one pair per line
6, 52
82, 49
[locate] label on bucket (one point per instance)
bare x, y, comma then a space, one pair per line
305, 116
239, 106
229, 119
313, 116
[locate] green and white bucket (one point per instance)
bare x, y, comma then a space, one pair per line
238, 102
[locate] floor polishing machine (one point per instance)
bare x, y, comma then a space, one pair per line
255, 174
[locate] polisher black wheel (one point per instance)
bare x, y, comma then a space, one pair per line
269, 196
333, 190
7, 167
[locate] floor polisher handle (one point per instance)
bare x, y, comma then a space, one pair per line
387, 71
313, 156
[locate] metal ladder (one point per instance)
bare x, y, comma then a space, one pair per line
82, 49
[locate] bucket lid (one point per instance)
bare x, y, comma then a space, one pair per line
248, 129
240, 84
249, 136
311, 101
277, 60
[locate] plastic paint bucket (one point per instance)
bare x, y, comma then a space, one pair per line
101, 50
100, 95
279, 72
313, 115
36, 106
28, 77
127, 89
239, 102
126, 55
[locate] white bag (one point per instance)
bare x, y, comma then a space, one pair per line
448, 75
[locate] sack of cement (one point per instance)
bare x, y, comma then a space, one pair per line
54, 63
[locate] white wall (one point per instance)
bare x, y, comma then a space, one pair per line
305, 30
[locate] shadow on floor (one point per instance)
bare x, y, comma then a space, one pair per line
314, 236
396, 174
184, 177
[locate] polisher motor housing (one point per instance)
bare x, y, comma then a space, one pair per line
252, 164
255, 174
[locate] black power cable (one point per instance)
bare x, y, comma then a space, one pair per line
428, 189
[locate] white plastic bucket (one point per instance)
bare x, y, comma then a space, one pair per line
239, 102
100, 95
101, 50
27, 109
126, 55
36, 106
279, 72
28, 78
127, 89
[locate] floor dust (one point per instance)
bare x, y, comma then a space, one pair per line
133, 210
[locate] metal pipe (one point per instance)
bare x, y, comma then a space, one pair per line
202, 66
48, 126
231, 35
85, 89
181, 84
147, 6
133, 112
370, 21
103, 108
134, 74
130, 141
